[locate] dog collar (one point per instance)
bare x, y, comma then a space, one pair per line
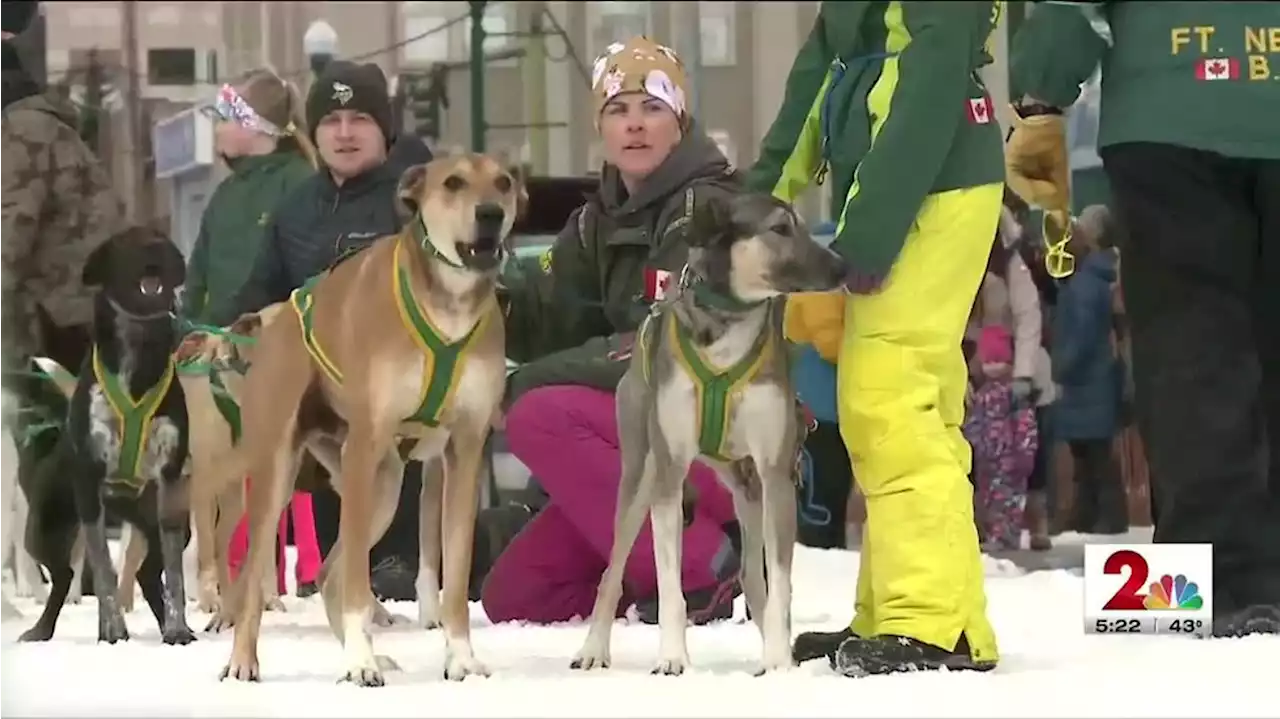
419, 231
706, 297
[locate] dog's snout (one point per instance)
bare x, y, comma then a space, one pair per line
150, 284
490, 215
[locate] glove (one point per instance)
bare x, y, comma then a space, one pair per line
1036, 166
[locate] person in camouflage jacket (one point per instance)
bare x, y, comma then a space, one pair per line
58, 206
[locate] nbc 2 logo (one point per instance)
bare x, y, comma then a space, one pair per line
1148, 589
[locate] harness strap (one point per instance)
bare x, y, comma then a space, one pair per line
716, 390
226, 404
133, 420
443, 359
302, 300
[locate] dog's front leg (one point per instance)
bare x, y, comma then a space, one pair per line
667, 517
462, 459
430, 521
28, 581
204, 515
748, 505
362, 450
174, 515
779, 497
111, 625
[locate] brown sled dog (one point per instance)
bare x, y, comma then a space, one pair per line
398, 347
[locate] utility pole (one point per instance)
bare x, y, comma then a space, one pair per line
478, 125
534, 76
691, 52
392, 11
133, 112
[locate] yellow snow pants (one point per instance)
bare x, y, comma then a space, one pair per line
902, 380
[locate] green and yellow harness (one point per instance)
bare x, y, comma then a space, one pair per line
716, 389
444, 359
133, 422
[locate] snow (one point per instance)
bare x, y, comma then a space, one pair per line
1049, 668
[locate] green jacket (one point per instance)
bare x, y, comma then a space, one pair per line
884, 100
231, 232
573, 310
1202, 75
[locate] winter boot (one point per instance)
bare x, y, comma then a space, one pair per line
888, 654
812, 645
714, 603
1255, 619
1038, 520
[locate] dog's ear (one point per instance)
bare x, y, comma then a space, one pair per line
173, 266
711, 220
409, 190
519, 175
97, 266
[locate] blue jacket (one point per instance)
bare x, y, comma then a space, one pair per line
1084, 364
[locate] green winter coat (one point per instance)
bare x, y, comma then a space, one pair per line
572, 311
885, 102
1202, 75
231, 232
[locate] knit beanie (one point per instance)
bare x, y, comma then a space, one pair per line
18, 14
995, 345
640, 65
349, 86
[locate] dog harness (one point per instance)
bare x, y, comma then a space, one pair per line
440, 372
444, 359
133, 421
226, 405
716, 390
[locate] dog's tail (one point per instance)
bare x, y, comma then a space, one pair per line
59, 375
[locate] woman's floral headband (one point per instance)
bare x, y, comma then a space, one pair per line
232, 107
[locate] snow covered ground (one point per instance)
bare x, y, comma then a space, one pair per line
1049, 668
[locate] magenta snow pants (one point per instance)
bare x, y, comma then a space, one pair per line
568, 438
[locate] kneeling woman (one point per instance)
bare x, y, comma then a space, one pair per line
572, 319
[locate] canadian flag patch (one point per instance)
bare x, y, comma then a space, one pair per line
656, 284
1218, 68
979, 110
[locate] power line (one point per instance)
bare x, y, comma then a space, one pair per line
118, 69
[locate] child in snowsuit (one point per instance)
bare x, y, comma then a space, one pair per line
1004, 437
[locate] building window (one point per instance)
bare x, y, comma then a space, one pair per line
617, 21
719, 27
423, 20
499, 18
171, 66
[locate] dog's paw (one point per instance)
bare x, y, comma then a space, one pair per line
586, 661
112, 630
274, 604
209, 604
37, 633
773, 667
178, 635
383, 618
669, 667
241, 670
364, 677
458, 667
429, 614
220, 622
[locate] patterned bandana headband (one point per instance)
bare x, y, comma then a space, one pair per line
232, 107
640, 65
